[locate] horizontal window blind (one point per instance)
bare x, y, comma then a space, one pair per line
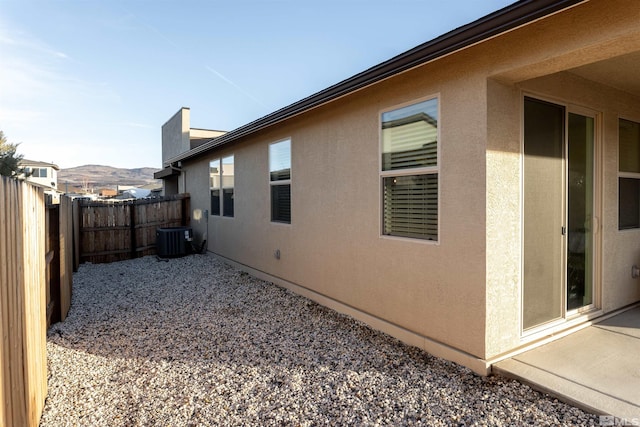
214, 186
281, 203
215, 202
411, 206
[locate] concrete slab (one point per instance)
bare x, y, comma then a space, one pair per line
627, 323
596, 368
570, 392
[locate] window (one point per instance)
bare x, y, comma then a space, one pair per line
37, 172
221, 184
409, 171
628, 175
280, 180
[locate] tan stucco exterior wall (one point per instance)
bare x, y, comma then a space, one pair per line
538, 55
620, 249
464, 292
333, 245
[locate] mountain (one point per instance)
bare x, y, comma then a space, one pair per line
97, 176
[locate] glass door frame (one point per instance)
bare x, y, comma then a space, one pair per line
568, 317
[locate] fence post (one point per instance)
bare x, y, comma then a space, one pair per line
132, 220
76, 235
65, 214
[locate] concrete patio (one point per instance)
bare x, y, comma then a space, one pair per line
596, 368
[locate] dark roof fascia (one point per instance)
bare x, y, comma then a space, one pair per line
501, 21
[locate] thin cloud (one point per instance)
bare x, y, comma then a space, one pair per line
230, 82
35, 46
208, 68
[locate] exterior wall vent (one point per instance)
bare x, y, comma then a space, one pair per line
173, 242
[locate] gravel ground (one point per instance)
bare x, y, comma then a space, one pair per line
193, 341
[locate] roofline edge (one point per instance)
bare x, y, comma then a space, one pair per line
498, 22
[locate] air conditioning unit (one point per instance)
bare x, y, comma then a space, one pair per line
173, 242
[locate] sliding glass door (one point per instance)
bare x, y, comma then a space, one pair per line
558, 212
580, 211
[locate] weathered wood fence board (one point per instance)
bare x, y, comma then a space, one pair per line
66, 254
115, 231
23, 369
59, 258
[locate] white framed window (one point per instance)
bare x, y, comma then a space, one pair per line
628, 174
280, 180
409, 170
37, 172
221, 186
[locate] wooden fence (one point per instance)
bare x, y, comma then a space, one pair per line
115, 231
60, 254
23, 368
41, 244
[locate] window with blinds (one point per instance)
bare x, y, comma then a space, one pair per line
280, 180
628, 174
410, 170
214, 186
228, 192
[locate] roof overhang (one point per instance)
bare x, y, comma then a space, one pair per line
167, 172
511, 17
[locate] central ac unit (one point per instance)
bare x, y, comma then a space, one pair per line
173, 242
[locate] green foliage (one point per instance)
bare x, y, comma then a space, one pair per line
9, 159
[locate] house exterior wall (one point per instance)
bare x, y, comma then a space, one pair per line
462, 294
175, 135
621, 248
51, 180
539, 55
333, 245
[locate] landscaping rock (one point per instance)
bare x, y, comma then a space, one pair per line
196, 342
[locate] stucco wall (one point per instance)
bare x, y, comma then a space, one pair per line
175, 135
333, 245
534, 66
620, 249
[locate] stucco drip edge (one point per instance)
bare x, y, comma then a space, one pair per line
431, 346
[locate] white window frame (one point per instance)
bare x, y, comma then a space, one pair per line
281, 182
221, 188
631, 175
429, 170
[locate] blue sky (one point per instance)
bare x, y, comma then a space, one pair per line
92, 81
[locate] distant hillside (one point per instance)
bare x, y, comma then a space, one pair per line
97, 176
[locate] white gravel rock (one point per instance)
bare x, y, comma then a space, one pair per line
195, 342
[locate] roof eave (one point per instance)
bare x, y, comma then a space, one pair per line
499, 22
